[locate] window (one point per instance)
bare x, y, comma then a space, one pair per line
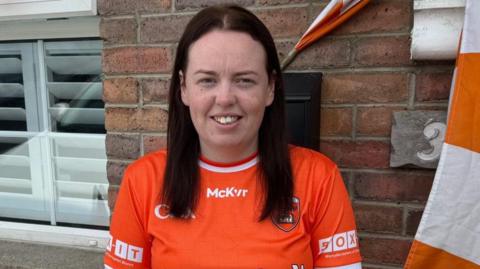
52, 136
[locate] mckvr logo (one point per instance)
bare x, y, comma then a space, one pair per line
228, 192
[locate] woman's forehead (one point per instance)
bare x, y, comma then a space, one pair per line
224, 49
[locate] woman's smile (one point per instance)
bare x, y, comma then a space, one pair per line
226, 120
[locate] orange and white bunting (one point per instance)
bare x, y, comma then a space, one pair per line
449, 232
334, 14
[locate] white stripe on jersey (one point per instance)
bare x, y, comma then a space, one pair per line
350, 266
230, 169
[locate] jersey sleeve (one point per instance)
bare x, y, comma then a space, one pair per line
334, 237
129, 244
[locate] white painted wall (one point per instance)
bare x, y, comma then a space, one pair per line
41, 9
436, 29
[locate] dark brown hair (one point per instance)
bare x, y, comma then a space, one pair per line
181, 179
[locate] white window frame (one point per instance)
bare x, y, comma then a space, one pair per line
55, 235
436, 29
36, 9
16, 24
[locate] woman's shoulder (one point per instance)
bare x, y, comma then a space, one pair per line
145, 175
305, 156
152, 162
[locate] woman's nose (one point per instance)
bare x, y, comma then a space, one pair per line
225, 95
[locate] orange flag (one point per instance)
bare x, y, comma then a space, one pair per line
334, 14
449, 232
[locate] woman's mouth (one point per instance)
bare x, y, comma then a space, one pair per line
225, 120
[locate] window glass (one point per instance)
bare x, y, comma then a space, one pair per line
12, 102
52, 134
15, 173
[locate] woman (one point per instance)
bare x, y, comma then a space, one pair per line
230, 193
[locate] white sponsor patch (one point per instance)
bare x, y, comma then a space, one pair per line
338, 242
125, 251
229, 192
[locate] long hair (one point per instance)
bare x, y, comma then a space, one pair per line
181, 179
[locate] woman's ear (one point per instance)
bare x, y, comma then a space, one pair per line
271, 88
183, 88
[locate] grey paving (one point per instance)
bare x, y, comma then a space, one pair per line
19, 255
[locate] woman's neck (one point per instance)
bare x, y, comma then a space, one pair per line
227, 154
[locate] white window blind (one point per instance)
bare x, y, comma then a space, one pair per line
52, 135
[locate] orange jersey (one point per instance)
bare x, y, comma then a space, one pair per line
224, 231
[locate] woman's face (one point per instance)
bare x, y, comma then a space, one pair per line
227, 88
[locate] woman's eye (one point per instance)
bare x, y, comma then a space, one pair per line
207, 82
245, 82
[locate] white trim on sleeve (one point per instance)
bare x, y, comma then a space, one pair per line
350, 266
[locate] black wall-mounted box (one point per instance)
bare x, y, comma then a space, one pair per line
302, 93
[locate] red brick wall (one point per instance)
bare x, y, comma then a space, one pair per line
368, 74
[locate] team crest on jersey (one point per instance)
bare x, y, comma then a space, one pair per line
288, 222
162, 212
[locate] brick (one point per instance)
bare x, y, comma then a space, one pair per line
120, 90
346, 180
440, 107
377, 266
433, 86
280, 2
118, 31
413, 220
382, 51
135, 119
153, 143
196, 4
155, 90
130, 7
379, 17
285, 22
163, 29
380, 266
115, 171
336, 121
116, 7
357, 154
381, 250
154, 6
137, 60
375, 121
409, 187
326, 53
358, 88
380, 219
123, 146
112, 196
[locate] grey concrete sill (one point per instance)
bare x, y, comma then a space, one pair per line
21, 255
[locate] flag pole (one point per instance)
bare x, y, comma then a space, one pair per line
334, 14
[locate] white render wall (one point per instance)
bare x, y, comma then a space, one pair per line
436, 29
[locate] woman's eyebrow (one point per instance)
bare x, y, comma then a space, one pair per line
207, 72
243, 73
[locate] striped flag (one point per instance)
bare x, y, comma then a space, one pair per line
334, 14
449, 233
